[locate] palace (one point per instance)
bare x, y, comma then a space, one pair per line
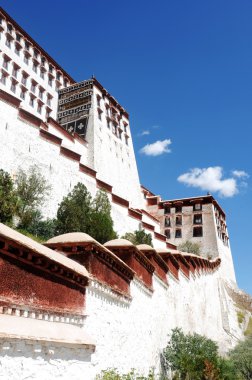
72, 307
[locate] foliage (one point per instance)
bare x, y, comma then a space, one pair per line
31, 190
193, 357
78, 213
248, 331
190, 247
39, 228
241, 356
113, 374
101, 227
240, 316
74, 212
8, 198
138, 237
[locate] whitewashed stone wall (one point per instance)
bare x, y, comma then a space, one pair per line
22, 147
128, 333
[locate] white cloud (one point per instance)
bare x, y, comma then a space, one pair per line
144, 133
210, 179
157, 148
240, 174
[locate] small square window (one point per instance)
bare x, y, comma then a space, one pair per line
197, 231
197, 207
178, 233
168, 234
179, 220
197, 219
178, 209
167, 222
167, 210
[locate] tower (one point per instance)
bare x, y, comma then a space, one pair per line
88, 110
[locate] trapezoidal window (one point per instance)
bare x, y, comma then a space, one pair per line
197, 219
178, 233
197, 207
197, 231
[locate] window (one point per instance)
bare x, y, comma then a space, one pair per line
168, 234
18, 37
167, 209
197, 207
35, 67
197, 231
178, 209
98, 100
8, 42
99, 114
31, 101
3, 79
24, 79
42, 74
178, 233
9, 28
120, 134
167, 222
15, 71
58, 76
33, 87
65, 83
13, 87
48, 112
125, 127
108, 124
50, 80
26, 59
179, 220
39, 108
17, 49
197, 219
50, 69
41, 92
22, 94
27, 45
6, 63
49, 100
35, 53
43, 61
127, 140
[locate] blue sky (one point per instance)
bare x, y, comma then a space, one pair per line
183, 71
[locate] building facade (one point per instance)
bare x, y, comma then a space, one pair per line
72, 306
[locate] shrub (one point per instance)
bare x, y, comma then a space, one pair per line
31, 190
8, 198
138, 237
79, 213
241, 356
190, 247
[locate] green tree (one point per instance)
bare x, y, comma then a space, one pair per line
190, 247
101, 227
138, 237
241, 356
79, 213
191, 356
74, 212
31, 190
8, 198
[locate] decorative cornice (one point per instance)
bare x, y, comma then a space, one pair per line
148, 226
104, 185
70, 153
10, 99
29, 117
50, 137
121, 201
27, 256
85, 169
